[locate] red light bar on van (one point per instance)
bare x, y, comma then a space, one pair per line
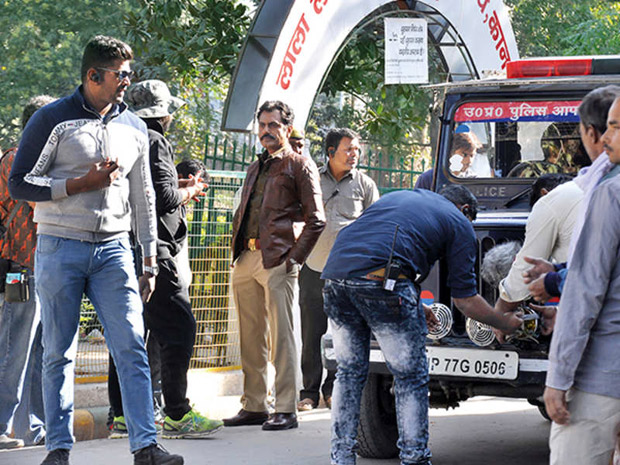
568, 66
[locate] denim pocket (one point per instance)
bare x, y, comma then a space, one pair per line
383, 306
48, 244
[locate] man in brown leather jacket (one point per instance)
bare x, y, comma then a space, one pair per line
280, 188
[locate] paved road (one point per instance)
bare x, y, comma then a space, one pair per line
480, 432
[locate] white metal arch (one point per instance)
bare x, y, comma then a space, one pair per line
292, 44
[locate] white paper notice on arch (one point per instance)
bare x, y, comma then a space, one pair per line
315, 30
406, 51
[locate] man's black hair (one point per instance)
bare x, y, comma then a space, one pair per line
547, 181
33, 105
102, 52
461, 195
334, 136
192, 166
595, 106
286, 113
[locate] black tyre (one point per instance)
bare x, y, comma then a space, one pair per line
377, 433
543, 412
541, 407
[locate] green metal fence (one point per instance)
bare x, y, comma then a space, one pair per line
387, 170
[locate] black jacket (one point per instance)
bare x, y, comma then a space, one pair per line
171, 223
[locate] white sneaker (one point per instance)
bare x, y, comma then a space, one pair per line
10, 443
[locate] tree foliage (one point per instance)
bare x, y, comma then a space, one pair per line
354, 94
566, 27
190, 44
42, 43
193, 46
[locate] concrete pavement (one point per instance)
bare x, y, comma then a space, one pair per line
484, 431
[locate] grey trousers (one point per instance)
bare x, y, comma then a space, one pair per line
264, 300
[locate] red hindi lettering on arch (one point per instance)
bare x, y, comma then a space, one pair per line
299, 36
318, 5
294, 48
495, 28
286, 71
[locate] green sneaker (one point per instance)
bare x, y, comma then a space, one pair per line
192, 426
119, 429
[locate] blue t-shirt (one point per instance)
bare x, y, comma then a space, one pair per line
430, 227
425, 180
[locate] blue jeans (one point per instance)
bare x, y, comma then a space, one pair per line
104, 271
21, 394
357, 307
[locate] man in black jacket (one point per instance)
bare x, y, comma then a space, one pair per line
168, 314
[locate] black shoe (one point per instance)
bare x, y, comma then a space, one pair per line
245, 418
156, 455
280, 421
57, 457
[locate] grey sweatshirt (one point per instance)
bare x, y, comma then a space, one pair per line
62, 141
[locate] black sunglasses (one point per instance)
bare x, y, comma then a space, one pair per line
120, 75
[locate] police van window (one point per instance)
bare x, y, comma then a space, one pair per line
517, 139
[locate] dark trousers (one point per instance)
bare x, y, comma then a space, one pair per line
313, 326
169, 318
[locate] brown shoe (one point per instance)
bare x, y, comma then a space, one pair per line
306, 405
280, 421
245, 418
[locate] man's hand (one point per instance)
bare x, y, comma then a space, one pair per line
194, 187
512, 322
432, 322
100, 175
548, 314
477, 308
146, 284
540, 267
503, 307
537, 289
555, 404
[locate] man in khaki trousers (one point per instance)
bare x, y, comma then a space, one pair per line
280, 188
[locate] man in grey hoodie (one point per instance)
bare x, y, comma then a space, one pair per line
84, 161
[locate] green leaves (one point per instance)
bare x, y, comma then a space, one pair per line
566, 27
42, 44
192, 45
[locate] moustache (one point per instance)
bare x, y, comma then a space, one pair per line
607, 148
268, 137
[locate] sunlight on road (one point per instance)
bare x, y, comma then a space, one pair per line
484, 406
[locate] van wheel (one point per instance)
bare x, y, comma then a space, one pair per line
377, 432
543, 412
540, 405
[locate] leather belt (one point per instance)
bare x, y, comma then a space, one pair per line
379, 274
252, 244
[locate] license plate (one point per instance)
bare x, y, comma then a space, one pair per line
472, 363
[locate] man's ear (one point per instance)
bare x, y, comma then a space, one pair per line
593, 134
289, 130
466, 210
544, 191
331, 151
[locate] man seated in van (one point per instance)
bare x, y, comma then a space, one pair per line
465, 144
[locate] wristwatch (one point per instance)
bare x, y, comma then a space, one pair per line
152, 270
